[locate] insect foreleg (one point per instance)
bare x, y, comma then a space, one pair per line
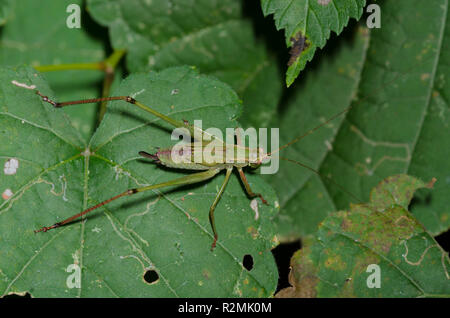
247, 187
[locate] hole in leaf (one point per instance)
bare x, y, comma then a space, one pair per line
17, 295
422, 199
444, 240
151, 277
248, 262
283, 254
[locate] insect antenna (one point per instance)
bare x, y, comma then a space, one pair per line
309, 132
342, 112
324, 176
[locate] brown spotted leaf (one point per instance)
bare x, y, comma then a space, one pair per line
376, 249
396, 190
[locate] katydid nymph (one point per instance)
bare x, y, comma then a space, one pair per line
241, 158
249, 157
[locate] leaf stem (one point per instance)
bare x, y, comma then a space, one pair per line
114, 59
110, 65
99, 66
107, 66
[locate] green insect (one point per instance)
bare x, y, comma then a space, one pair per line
242, 157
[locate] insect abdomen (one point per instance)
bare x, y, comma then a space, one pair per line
195, 157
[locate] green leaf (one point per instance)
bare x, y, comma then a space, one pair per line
340, 263
37, 34
401, 118
5, 9
220, 41
300, 190
398, 123
307, 25
165, 231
